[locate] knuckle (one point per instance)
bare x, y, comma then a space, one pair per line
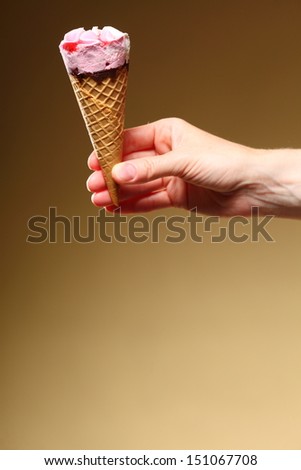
148, 168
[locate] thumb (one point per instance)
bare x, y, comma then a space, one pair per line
148, 168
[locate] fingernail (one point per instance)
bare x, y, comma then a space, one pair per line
93, 200
87, 183
125, 172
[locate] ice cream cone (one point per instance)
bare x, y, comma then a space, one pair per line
101, 99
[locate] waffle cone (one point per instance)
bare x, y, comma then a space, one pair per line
102, 105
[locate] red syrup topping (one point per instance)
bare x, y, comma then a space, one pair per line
70, 46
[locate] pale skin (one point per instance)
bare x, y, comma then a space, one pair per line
170, 163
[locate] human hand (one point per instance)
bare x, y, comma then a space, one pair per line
170, 163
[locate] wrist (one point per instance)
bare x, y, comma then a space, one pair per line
276, 178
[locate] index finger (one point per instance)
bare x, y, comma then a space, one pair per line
139, 138
135, 139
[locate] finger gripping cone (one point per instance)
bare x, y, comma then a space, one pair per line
102, 104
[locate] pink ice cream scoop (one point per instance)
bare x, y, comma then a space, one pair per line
94, 50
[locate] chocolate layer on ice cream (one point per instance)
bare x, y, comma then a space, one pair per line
101, 75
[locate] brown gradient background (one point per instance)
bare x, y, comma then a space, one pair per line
148, 346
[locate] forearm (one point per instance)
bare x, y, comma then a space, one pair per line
276, 178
